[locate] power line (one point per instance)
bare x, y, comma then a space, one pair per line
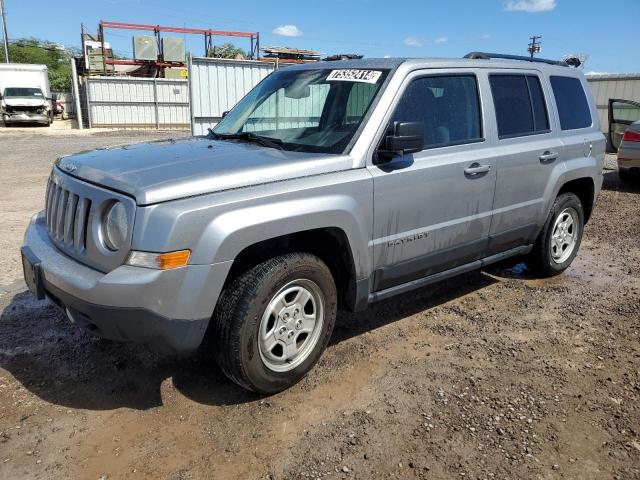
534, 45
5, 35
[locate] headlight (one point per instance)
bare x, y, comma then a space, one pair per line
115, 226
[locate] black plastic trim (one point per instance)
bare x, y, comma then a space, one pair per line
406, 287
430, 264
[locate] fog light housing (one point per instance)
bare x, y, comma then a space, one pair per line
159, 261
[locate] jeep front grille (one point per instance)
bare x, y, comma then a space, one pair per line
67, 215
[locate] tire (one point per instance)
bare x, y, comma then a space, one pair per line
249, 322
628, 178
550, 257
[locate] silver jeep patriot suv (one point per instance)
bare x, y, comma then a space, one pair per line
332, 184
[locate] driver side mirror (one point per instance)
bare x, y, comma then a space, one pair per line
402, 138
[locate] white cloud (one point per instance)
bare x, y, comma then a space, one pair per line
485, 36
529, 6
442, 39
387, 56
592, 72
287, 31
412, 42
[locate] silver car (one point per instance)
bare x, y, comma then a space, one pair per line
330, 185
624, 131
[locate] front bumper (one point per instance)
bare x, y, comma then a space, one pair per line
169, 309
26, 118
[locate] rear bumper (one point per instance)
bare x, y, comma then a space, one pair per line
629, 164
629, 156
168, 309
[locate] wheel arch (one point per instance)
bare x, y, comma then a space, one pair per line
330, 244
584, 189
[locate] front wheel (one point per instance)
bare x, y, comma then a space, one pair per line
560, 238
273, 322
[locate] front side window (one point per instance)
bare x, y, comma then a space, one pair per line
519, 104
573, 107
448, 106
305, 110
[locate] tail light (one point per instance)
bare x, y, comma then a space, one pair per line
630, 136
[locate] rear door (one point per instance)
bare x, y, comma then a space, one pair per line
528, 154
622, 113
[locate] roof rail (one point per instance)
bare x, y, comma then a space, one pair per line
488, 56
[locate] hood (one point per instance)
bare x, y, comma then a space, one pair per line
172, 169
24, 101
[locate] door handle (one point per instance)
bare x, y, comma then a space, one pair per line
548, 157
476, 169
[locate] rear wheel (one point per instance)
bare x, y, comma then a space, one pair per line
273, 322
559, 241
626, 177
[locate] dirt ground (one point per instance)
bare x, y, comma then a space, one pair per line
490, 375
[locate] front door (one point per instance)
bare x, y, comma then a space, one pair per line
432, 209
622, 113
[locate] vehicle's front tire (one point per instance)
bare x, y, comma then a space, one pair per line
273, 322
560, 238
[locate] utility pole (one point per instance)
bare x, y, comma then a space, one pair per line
5, 35
534, 45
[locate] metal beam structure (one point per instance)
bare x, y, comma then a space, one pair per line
208, 34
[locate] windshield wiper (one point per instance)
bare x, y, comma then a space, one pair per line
250, 137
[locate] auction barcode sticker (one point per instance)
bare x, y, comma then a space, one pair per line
364, 76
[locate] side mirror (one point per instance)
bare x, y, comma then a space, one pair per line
403, 138
225, 113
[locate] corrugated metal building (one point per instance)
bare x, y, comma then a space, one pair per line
604, 87
129, 102
216, 85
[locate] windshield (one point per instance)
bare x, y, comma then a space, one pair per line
23, 92
305, 110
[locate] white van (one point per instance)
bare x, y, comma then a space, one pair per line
25, 94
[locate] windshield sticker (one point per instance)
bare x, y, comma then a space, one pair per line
364, 76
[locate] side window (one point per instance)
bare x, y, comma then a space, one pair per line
448, 106
573, 107
519, 105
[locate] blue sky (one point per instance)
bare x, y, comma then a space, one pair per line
607, 31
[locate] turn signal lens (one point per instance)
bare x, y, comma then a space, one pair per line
160, 261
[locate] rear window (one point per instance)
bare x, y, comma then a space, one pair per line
573, 107
519, 104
